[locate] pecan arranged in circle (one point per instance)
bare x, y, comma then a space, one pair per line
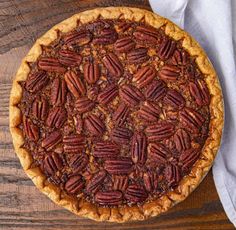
91, 72
51, 65
174, 98
169, 73
52, 163
172, 174
79, 38
123, 45
56, 117
75, 184
73, 143
146, 34
109, 197
78, 162
180, 58
108, 94
121, 114
166, 49
50, 141
182, 140
83, 105
136, 193
96, 182
121, 135
149, 112
31, 130
137, 56
58, 92
40, 108
120, 182
105, 36
156, 90
159, 152
94, 125
144, 76
150, 181
69, 58
105, 149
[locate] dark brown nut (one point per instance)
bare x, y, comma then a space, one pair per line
30, 129
156, 90
121, 114
123, 26
191, 119
139, 148
91, 72
51, 65
160, 131
200, 92
78, 121
56, 117
52, 163
136, 193
50, 141
169, 73
188, 158
78, 163
75, 84
120, 182
75, 184
166, 49
79, 38
73, 143
146, 34
131, 95
150, 181
113, 65
108, 197
36, 81
121, 135
69, 58
159, 153
108, 94
83, 105
172, 175
182, 140
118, 166
123, 45
180, 58
95, 183
40, 108
94, 125
105, 150
58, 92
144, 76
137, 56
149, 112
174, 99
105, 36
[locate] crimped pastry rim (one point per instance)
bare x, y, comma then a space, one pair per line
188, 183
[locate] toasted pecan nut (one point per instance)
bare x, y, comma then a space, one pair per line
166, 49
56, 117
94, 125
169, 73
69, 58
52, 163
83, 105
50, 141
105, 150
109, 197
80, 38
91, 72
121, 135
75, 184
31, 130
123, 45
73, 143
144, 76
136, 193
108, 94
137, 56
121, 114
146, 34
156, 90
58, 92
51, 65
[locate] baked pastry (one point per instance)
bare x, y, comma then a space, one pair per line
116, 114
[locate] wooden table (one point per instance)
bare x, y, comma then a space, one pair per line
22, 206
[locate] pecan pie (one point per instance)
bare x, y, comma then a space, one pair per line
116, 114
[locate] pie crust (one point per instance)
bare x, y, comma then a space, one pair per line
187, 184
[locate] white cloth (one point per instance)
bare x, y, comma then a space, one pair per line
210, 23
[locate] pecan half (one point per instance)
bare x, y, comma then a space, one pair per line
150, 181
78, 163
36, 81
69, 58
174, 99
121, 135
166, 49
136, 193
191, 119
31, 130
172, 174
120, 182
97, 180
139, 148
160, 131
159, 152
56, 117
105, 36
169, 73
121, 114
94, 125
52, 163
50, 141
40, 108
58, 92
144, 76
123, 45
108, 94
105, 149
83, 105
75, 84
180, 57
149, 111
113, 65
131, 95
91, 72
78, 121
51, 65
75, 184
156, 90
146, 34
118, 166
137, 56
80, 38
73, 143
108, 197
200, 92
182, 140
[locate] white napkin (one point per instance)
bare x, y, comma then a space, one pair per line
210, 23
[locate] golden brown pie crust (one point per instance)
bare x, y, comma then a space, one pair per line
188, 183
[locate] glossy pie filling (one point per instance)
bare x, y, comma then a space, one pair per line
115, 112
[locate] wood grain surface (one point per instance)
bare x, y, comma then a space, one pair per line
22, 206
